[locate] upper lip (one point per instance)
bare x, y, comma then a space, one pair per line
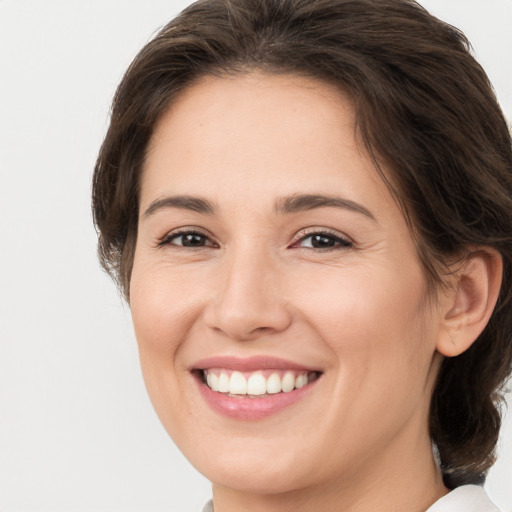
249, 364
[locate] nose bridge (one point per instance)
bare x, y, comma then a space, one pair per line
249, 301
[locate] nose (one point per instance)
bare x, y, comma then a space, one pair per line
249, 302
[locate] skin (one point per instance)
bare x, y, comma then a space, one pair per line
361, 313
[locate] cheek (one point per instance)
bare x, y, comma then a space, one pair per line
163, 304
367, 298
163, 314
374, 321
163, 311
382, 349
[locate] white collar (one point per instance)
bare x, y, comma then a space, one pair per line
467, 498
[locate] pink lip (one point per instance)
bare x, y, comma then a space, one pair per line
249, 364
249, 409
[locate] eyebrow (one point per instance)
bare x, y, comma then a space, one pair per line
301, 203
290, 204
194, 204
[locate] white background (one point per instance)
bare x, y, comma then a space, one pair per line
77, 432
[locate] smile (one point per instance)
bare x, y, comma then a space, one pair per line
257, 383
252, 388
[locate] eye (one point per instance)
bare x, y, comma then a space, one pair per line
189, 239
323, 240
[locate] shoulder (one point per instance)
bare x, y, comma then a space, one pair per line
470, 498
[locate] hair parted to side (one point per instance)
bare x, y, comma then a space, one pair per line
426, 112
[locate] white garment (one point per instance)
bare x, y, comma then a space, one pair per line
467, 498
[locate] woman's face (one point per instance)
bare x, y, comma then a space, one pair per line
271, 255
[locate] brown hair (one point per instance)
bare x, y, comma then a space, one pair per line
425, 110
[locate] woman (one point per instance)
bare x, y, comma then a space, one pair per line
308, 207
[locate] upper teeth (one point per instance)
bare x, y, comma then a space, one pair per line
255, 383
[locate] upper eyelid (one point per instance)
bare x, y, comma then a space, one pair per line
321, 230
188, 229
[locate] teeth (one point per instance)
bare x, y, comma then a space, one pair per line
273, 384
288, 382
255, 383
224, 383
214, 381
300, 381
237, 384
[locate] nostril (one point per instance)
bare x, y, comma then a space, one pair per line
248, 304
248, 326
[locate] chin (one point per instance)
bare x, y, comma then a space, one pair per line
263, 465
255, 476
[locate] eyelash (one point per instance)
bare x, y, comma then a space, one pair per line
170, 237
339, 242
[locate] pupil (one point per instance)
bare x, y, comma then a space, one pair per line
322, 241
193, 240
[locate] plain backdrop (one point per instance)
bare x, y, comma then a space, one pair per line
77, 432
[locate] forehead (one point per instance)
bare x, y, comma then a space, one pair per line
261, 135
248, 109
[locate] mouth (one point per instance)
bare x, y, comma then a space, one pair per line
254, 388
256, 384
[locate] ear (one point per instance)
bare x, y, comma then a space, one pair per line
470, 301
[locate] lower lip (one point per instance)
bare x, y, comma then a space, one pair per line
251, 408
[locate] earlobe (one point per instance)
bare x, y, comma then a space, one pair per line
471, 301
